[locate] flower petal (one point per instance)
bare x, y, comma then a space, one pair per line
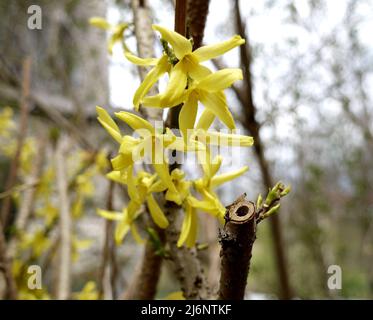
186, 226
108, 123
151, 78
117, 176
227, 139
220, 80
192, 236
217, 103
197, 71
180, 44
212, 51
187, 116
122, 229
110, 215
136, 234
225, 177
205, 120
164, 175
156, 212
141, 61
176, 86
136, 122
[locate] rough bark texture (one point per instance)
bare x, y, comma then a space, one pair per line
237, 239
245, 96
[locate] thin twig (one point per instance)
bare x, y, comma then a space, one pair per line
64, 275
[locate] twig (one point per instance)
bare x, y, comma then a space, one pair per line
106, 287
64, 275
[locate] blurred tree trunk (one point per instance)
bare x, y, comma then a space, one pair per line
245, 96
69, 56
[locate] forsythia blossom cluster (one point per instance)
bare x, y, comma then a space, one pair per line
190, 83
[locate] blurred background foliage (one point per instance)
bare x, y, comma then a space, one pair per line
312, 64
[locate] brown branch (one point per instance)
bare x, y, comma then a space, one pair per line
196, 20
237, 241
253, 127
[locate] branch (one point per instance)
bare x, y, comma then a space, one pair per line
238, 237
106, 286
64, 275
197, 11
236, 240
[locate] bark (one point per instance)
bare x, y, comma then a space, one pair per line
245, 96
237, 239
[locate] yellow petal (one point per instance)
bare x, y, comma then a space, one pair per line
110, 215
212, 51
156, 212
108, 123
117, 176
197, 71
136, 234
164, 175
192, 236
150, 79
121, 230
136, 122
185, 227
132, 190
187, 116
121, 161
215, 165
176, 86
158, 186
100, 23
217, 103
220, 80
203, 205
206, 119
181, 45
227, 139
225, 177
141, 61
